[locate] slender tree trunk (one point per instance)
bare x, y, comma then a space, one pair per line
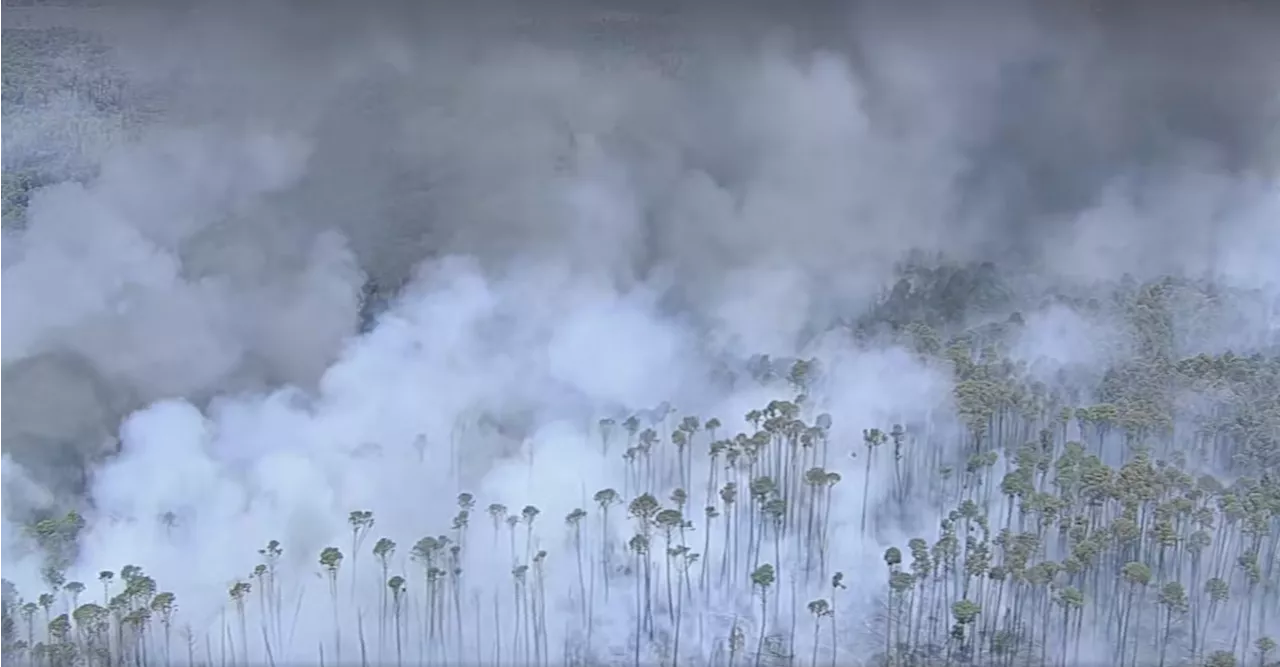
834, 650
866, 486
497, 630
639, 612
675, 655
764, 624
396, 613
582, 587
817, 631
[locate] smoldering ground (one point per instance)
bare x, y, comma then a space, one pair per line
568, 209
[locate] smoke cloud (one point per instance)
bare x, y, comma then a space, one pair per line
321, 258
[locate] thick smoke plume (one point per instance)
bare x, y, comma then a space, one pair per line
321, 258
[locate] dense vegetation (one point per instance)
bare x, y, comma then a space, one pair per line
1133, 521
46, 73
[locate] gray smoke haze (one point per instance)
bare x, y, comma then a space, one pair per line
569, 209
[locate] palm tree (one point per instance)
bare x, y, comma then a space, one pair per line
46, 602
1137, 576
681, 440
164, 605
396, 584
523, 632
762, 490
898, 435
871, 438
710, 512
260, 575
668, 521
498, 512
466, 504
426, 552
384, 549
239, 591
330, 561
639, 545
606, 429
105, 577
819, 609
528, 514
361, 522
574, 521
73, 589
728, 496
605, 498
271, 554
1071, 600
761, 579
892, 558
540, 592
837, 584
643, 508
1174, 599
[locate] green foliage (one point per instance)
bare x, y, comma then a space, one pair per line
16, 186
762, 577
331, 559
42, 63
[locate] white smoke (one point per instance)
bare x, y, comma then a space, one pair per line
581, 233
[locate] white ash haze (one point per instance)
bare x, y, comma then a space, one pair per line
588, 213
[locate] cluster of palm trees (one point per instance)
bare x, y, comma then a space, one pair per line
1143, 529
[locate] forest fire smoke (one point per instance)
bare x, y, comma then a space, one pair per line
683, 336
